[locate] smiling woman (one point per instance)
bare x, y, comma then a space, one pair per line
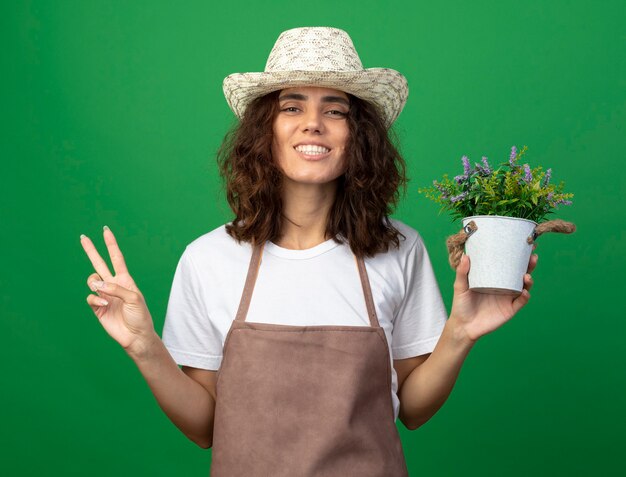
361, 158
313, 321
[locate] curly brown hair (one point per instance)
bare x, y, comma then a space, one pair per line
366, 193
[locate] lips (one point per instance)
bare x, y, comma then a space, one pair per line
312, 149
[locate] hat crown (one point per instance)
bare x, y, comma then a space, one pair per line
323, 57
313, 49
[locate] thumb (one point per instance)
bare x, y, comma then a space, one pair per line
461, 283
113, 289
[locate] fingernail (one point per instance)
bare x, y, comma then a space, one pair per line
97, 284
106, 227
82, 236
103, 302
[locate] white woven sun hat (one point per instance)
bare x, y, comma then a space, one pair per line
319, 56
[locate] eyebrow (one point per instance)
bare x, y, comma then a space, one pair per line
325, 99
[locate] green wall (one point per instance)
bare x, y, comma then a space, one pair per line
112, 113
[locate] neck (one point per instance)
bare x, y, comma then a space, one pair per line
305, 214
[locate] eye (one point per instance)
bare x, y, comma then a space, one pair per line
290, 109
336, 112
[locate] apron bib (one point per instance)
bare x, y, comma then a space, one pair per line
303, 401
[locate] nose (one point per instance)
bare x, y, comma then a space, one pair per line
312, 121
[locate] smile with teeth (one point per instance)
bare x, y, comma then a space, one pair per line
311, 150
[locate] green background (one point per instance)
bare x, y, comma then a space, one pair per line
112, 113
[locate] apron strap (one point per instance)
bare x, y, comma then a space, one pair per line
367, 291
253, 272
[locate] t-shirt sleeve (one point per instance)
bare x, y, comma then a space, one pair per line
422, 315
188, 333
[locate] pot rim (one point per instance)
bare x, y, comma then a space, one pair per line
498, 217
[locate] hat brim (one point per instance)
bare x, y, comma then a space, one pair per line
387, 89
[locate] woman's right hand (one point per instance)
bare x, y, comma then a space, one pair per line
119, 305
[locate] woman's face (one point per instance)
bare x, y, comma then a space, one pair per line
311, 133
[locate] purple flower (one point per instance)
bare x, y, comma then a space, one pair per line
563, 202
459, 197
512, 157
527, 174
549, 197
546, 178
460, 179
466, 165
486, 167
441, 189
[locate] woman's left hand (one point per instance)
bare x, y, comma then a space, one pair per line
477, 314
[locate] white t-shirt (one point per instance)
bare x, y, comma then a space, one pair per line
316, 286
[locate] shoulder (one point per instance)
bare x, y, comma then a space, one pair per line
217, 247
411, 235
409, 240
410, 244
218, 237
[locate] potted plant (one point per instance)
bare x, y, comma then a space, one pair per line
503, 211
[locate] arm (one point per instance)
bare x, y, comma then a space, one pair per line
473, 315
186, 396
429, 383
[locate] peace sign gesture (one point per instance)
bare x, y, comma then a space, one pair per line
119, 305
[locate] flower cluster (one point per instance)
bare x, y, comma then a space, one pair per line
510, 190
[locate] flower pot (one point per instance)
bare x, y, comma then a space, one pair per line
499, 253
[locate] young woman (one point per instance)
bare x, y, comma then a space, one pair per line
312, 321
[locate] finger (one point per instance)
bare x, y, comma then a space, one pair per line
91, 279
461, 283
528, 281
520, 301
532, 263
94, 257
113, 289
117, 259
96, 301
